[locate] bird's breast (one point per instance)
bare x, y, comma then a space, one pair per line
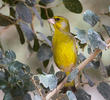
64, 51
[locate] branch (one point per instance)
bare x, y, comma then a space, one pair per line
38, 90
46, 7
80, 67
56, 89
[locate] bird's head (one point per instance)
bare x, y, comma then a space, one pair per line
60, 23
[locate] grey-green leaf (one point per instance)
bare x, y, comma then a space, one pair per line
44, 52
27, 97
47, 1
8, 96
24, 12
104, 90
2, 75
73, 75
21, 35
37, 97
10, 54
73, 5
27, 31
107, 28
90, 82
44, 38
48, 81
82, 95
37, 14
81, 35
15, 67
95, 40
5, 61
71, 95
90, 17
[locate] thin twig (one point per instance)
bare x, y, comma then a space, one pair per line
32, 24
37, 87
80, 67
46, 7
48, 21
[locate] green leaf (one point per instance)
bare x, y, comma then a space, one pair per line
52, 71
44, 52
95, 40
16, 91
60, 76
39, 70
27, 68
8, 96
10, 2
104, 90
46, 13
36, 44
48, 80
24, 12
82, 46
3, 84
21, 35
81, 35
6, 20
12, 12
90, 17
73, 5
71, 95
10, 54
28, 84
45, 63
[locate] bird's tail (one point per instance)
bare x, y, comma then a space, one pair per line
69, 84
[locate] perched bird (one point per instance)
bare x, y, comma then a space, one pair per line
63, 46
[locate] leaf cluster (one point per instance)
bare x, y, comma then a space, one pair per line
15, 77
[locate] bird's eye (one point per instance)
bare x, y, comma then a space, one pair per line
57, 19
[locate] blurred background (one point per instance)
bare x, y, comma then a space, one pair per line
10, 38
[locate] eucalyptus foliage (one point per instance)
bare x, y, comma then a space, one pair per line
16, 79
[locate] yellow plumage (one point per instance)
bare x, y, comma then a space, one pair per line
64, 46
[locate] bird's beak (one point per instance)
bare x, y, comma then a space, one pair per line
51, 20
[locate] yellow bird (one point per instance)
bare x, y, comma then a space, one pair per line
63, 46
